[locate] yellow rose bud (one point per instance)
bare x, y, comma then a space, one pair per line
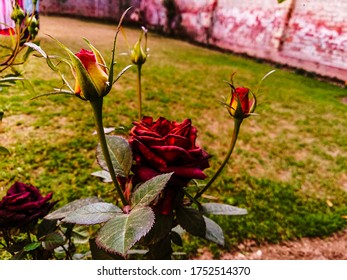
138, 55
97, 74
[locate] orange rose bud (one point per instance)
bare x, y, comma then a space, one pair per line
97, 74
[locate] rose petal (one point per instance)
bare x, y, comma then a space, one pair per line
16, 198
172, 154
183, 171
30, 205
151, 141
162, 126
144, 173
201, 158
182, 128
177, 140
146, 154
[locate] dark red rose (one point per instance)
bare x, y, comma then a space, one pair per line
22, 205
164, 146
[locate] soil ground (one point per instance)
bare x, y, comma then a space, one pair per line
331, 248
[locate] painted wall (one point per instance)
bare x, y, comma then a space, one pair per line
309, 34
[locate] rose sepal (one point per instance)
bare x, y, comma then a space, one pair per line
111, 67
85, 82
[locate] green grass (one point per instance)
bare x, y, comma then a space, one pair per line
289, 166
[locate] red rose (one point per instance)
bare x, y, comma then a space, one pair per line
163, 146
23, 204
240, 105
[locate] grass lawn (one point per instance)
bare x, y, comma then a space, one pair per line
289, 168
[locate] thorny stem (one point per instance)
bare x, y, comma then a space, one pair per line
237, 125
139, 94
97, 109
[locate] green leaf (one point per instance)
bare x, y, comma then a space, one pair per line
4, 151
280, 1
121, 155
52, 240
160, 229
80, 234
32, 246
222, 209
70, 207
100, 254
176, 238
120, 233
19, 256
42, 52
45, 227
92, 214
137, 252
104, 175
214, 232
149, 190
28, 52
191, 220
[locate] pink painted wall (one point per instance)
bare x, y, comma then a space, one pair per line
309, 34
317, 33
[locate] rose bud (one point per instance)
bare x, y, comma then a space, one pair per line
23, 204
33, 26
91, 82
17, 14
163, 146
138, 55
239, 104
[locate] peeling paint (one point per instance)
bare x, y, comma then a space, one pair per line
310, 34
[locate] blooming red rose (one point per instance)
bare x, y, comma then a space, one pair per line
164, 146
240, 105
23, 204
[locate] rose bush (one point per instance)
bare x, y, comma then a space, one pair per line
150, 172
164, 146
22, 205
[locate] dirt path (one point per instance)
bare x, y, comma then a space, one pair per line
331, 248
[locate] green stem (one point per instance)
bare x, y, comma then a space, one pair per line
237, 125
97, 109
28, 235
139, 94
